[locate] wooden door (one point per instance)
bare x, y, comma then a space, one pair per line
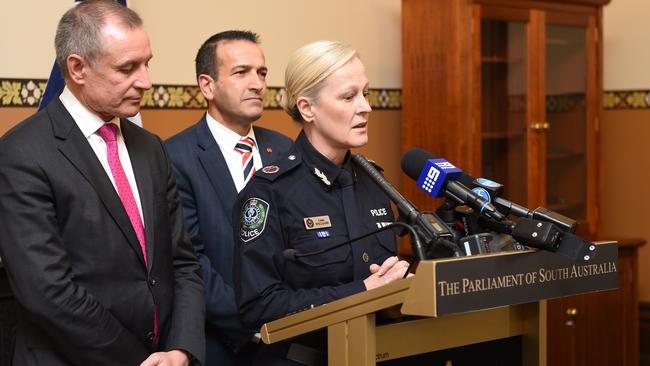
578, 327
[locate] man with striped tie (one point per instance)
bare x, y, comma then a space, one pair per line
213, 160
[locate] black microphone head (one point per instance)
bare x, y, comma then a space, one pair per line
413, 161
290, 254
466, 179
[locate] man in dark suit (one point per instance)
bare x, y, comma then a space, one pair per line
213, 160
91, 230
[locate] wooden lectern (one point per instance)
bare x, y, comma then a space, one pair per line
438, 288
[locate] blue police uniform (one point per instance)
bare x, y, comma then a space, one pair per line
306, 203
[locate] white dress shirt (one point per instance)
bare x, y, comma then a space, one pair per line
227, 139
89, 123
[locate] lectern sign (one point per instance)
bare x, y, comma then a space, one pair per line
477, 283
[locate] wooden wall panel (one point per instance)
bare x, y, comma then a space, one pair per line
644, 334
435, 96
10, 116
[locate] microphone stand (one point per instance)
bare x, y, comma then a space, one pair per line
545, 236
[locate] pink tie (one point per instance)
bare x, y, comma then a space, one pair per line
108, 132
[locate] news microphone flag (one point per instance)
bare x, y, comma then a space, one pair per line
55, 82
435, 173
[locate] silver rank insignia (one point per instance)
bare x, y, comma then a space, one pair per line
322, 177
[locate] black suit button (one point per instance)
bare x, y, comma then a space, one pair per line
152, 281
150, 336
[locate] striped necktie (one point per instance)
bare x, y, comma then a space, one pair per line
245, 148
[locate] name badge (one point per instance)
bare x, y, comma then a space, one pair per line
317, 222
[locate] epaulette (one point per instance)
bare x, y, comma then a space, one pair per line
280, 167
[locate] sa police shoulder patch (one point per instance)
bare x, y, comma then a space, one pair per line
253, 219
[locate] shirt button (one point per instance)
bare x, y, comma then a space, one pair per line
365, 257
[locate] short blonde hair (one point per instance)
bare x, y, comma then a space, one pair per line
308, 68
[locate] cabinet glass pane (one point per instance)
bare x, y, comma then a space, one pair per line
566, 163
503, 106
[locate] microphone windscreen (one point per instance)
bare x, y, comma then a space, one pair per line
413, 161
289, 254
466, 179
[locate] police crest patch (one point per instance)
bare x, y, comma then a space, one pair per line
253, 219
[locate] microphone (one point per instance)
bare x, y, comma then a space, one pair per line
427, 225
540, 213
544, 235
492, 191
484, 187
295, 255
466, 221
437, 177
475, 244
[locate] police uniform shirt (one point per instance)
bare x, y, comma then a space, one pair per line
299, 204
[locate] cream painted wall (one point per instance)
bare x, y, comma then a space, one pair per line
27, 42
626, 33
624, 133
371, 26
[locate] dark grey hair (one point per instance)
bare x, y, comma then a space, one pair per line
79, 30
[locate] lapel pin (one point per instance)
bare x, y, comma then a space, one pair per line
269, 150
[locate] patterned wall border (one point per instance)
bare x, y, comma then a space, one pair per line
627, 99
28, 93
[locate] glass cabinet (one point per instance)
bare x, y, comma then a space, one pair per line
511, 91
538, 115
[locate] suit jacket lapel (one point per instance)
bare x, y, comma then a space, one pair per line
214, 164
265, 146
142, 171
74, 146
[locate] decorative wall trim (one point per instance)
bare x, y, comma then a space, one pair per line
28, 93
627, 99
21, 92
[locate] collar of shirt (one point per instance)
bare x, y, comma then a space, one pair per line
226, 140
225, 137
89, 124
315, 160
87, 121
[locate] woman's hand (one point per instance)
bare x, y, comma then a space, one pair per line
392, 269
